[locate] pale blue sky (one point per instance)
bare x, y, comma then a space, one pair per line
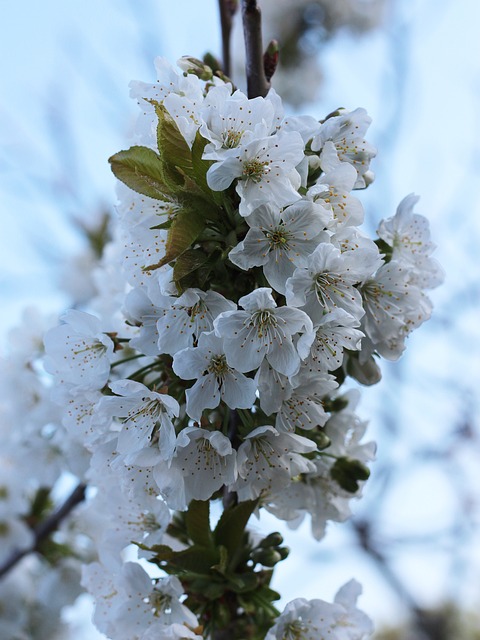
70, 63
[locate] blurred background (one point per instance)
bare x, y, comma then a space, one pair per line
414, 542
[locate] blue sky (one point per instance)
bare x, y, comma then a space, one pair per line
64, 109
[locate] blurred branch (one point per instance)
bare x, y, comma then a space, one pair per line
228, 8
257, 84
45, 528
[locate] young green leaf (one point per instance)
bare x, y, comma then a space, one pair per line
187, 225
140, 169
197, 520
230, 528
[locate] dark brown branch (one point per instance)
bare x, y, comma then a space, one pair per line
228, 8
257, 84
45, 528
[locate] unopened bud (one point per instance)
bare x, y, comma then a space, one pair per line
284, 552
369, 177
272, 540
267, 557
270, 59
322, 440
212, 61
313, 163
196, 67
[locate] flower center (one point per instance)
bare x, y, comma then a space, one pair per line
263, 321
231, 138
324, 285
160, 603
294, 630
198, 309
278, 238
152, 408
218, 366
255, 169
150, 522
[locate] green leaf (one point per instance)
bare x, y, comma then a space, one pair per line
197, 520
172, 146
231, 526
187, 225
141, 169
161, 551
243, 582
196, 559
347, 472
188, 262
200, 168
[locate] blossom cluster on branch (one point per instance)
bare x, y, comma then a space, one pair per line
236, 297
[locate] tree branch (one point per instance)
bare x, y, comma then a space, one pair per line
45, 528
228, 8
257, 83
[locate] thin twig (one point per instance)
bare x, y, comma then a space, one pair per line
257, 84
45, 528
228, 9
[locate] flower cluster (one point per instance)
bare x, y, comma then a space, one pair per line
236, 296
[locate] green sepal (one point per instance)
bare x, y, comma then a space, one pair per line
141, 169
385, 249
222, 565
163, 225
197, 520
348, 472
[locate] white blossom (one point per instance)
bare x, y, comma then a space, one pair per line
268, 459
216, 380
326, 283
314, 619
279, 241
231, 120
408, 234
303, 408
183, 319
147, 418
206, 461
336, 331
264, 169
341, 139
78, 351
262, 331
332, 198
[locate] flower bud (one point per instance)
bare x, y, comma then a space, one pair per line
270, 59
195, 66
272, 540
267, 557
